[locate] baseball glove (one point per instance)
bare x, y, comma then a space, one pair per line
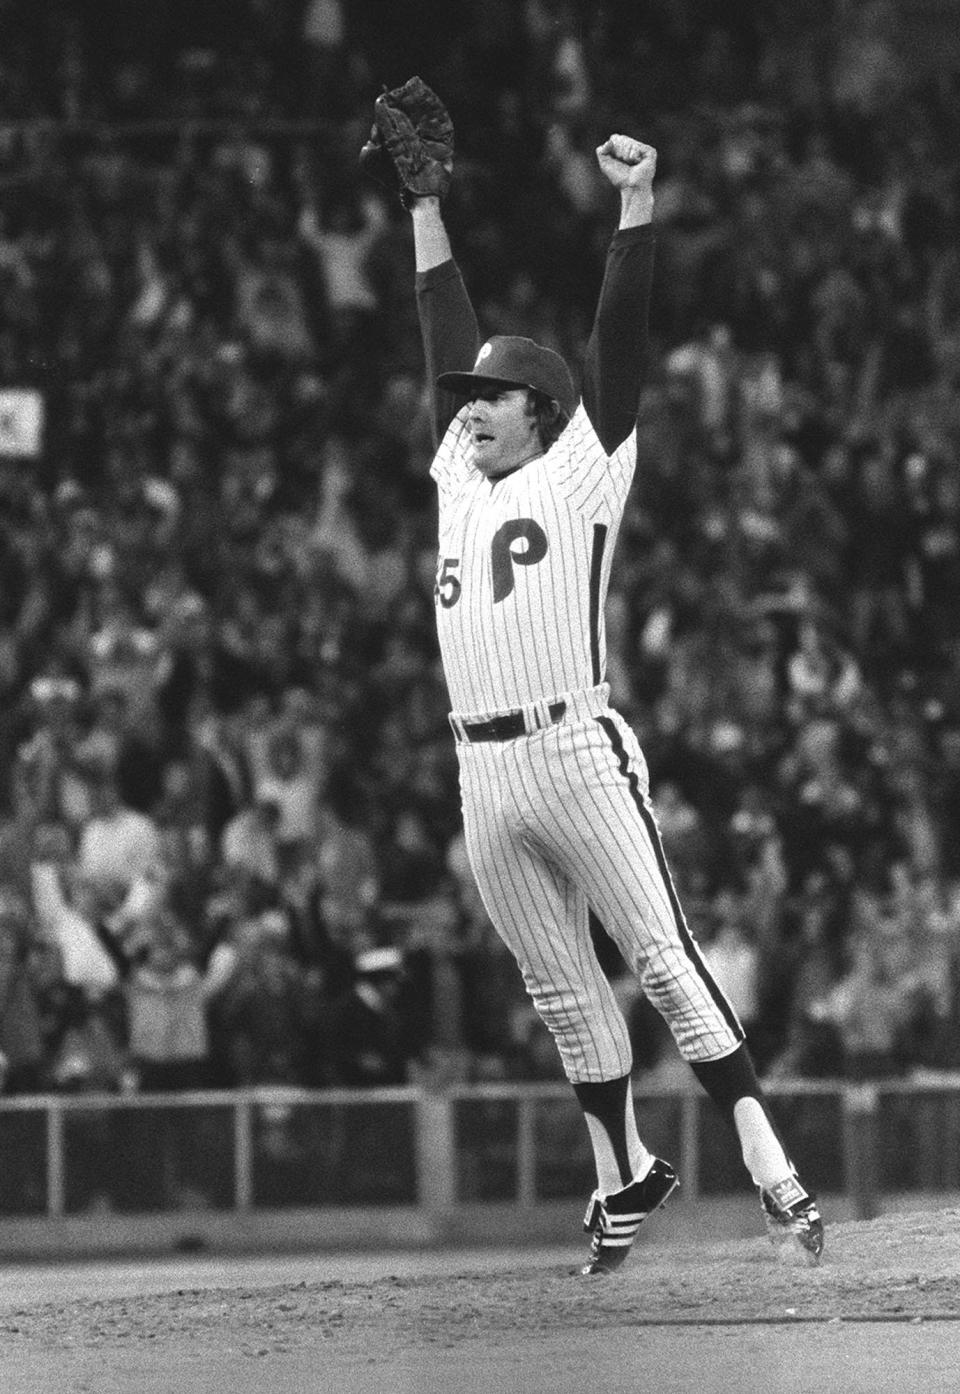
411, 141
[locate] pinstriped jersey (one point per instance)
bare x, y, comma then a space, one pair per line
524, 566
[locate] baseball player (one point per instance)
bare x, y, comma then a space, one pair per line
532, 485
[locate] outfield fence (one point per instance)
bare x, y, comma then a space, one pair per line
269, 1166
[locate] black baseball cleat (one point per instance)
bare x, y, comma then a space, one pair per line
793, 1222
614, 1220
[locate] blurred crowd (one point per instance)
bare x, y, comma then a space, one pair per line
229, 841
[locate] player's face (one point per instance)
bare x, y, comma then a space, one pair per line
504, 430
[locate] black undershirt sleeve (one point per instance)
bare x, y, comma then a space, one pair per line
616, 358
450, 333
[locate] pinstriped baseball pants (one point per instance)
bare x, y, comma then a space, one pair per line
557, 823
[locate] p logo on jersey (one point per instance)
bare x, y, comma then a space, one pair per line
505, 556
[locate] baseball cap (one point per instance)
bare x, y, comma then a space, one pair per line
509, 360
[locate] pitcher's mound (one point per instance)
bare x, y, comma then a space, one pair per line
897, 1268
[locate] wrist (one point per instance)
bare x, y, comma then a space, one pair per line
426, 208
636, 207
430, 240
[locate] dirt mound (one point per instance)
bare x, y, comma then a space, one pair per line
901, 1268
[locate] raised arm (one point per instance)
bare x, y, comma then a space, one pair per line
615, 362
411, 143
448, 323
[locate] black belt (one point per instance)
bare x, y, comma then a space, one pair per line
507, 727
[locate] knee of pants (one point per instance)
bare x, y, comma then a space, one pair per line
592, 1037
666, 989
697, 1021
559, 1008
678, 994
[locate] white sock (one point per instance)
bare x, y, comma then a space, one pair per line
763, 1156
609, 1179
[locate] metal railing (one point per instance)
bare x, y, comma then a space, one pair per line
260, 1152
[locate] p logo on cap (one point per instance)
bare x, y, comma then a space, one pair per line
508, 360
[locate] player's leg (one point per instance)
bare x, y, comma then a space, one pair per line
613, 849
544, 920
631, 1181
790, 1212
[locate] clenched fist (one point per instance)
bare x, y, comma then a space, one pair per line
626, 162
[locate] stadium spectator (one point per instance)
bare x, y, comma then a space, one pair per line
116, 844
25, 971
264, 1007
165, 997
249, 840
369, 1031
69, 908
